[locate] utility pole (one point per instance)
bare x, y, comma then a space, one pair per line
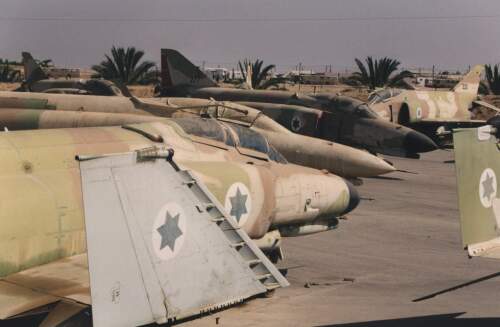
433, 80
300, 73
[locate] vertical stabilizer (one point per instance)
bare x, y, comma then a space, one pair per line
177, 70
32, 71
470, 82
477, 159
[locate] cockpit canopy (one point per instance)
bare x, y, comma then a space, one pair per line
232, 135
348, 105
382, 95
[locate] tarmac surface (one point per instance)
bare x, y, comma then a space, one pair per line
400, 246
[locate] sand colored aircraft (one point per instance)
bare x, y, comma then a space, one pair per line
148, 223
19, 111
37, 80
431, 111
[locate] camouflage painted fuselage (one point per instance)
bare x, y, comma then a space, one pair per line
54, 112
337, 118
75, 86
410, 107
344, 120
42, 218
426, 111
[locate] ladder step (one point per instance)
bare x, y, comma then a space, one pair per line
205, 206
272, 286
253, 263
238, 245
218, 220
264, 276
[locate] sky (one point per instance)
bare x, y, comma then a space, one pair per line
451, 34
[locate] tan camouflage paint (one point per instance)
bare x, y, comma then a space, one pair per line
433, 106
41, 216
299, 149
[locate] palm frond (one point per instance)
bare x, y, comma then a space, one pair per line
378, 72
493, 79
124, 66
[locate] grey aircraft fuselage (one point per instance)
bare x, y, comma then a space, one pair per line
335, 118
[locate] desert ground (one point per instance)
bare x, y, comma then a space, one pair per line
402, 243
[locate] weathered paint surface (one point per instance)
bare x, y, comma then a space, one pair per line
477, 167
88, 111
41, 217
340, 119
411, 107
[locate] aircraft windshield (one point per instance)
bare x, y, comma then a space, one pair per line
214, 130
352, 107
276, 156
382, 95
207, 128
252, 140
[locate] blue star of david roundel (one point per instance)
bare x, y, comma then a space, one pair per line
487, 187
238, 203
297, 123
169, 231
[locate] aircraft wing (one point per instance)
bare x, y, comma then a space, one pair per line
64, 281
160, 246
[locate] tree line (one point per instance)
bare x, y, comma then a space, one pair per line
126, 66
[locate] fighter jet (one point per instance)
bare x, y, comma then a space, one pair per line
477, 166
59, 110
432, 111
36, 80
337, 118
147, 223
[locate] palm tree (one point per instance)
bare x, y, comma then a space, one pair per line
493, 79
9, 75
257, 75
123, 67
379, 73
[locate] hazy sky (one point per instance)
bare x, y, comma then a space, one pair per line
451, 34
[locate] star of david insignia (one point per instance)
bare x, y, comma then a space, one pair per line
488, 188
169, 231
238, 205
296, 123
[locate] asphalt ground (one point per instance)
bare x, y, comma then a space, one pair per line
401, 243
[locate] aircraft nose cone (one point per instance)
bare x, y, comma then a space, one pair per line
353, 198
416, 142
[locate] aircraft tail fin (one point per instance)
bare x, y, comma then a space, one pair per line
470, 82
181, 254
177, 70
477, 167
32, 71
